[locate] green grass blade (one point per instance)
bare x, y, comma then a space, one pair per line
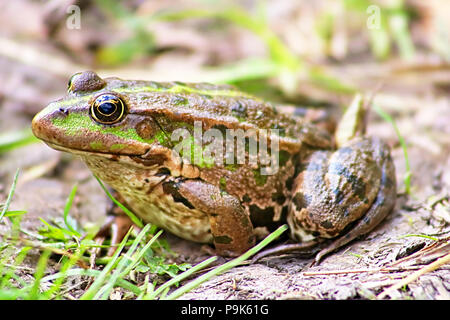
67, 209
13, 140
141, 253
17, 261
130, 214
388, 118
10, 195
91, 273
179, 278
38, 274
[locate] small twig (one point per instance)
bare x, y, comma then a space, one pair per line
429, 268
383, 270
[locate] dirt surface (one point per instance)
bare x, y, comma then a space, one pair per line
417, 97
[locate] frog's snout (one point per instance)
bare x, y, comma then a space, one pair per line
42, 126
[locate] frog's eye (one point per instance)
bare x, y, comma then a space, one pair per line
107, 109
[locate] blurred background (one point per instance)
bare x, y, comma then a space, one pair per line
290, 52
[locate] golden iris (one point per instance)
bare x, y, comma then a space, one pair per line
107, 108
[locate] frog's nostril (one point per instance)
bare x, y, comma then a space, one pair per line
63, 110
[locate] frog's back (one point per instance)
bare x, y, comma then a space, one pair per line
216, 106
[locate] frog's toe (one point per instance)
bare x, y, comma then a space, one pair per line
116, 227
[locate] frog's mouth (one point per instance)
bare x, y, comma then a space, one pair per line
82, 152
153, 157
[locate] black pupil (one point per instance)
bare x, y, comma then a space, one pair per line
107, 108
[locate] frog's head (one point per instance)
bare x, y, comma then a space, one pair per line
97, 116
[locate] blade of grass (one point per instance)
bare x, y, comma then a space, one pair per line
226, 266
179, 278
17, 261
419, 235
10, 195
91, 273
388, 118
38, 274
130, 214
141, 253
67, 209
12, 140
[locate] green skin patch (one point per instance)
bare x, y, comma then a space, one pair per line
96, 145
74, 121
260, 179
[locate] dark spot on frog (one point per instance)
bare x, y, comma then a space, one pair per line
163, 172
301, 200
246, 198
279, 197
171, 187
64, 111
222, 239
261, 217
156, 159
358, 185
327, 224
289, 182
339, 195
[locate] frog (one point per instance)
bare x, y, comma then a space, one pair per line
139, 137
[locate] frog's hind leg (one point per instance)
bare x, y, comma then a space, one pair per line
380, 208
352, 188
231, 228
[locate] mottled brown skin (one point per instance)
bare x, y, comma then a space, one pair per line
320, 192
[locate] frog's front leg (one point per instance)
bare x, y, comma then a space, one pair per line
231, 227
351, 189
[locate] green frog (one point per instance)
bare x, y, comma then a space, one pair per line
165, 148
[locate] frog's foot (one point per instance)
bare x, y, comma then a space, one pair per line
116, 226
308, 247
353, 189
231, 227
